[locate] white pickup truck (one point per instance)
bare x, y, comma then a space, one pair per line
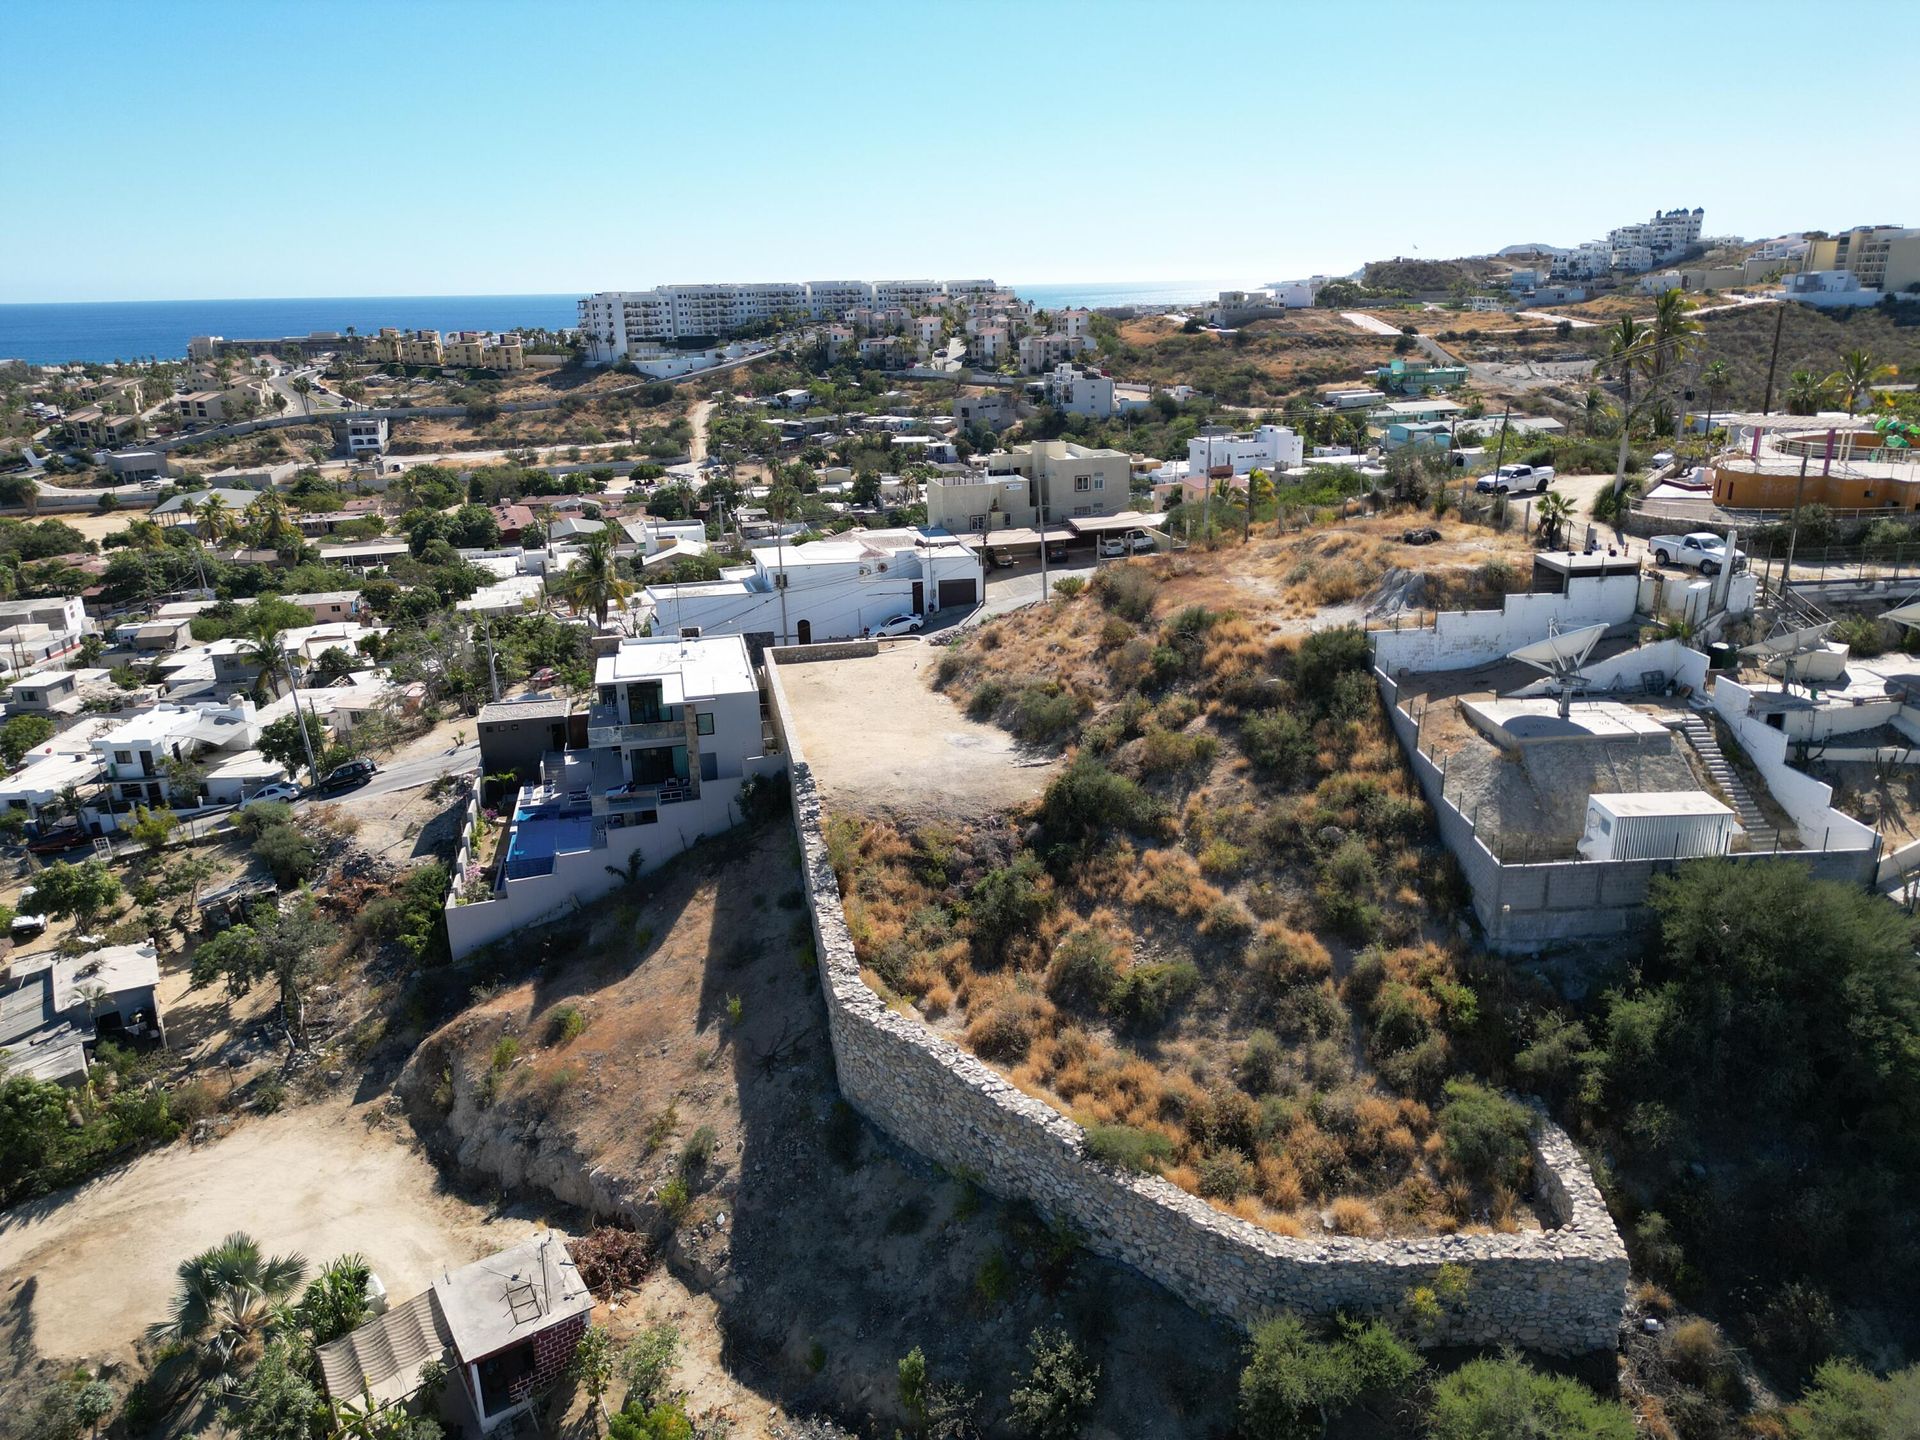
1516, 480
1700, 550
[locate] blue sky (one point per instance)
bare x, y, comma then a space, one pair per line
213, 149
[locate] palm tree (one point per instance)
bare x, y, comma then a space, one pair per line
1806, 393
595, 582
1555, 513
303, 387
145, 534
1629, 349
211, 520
227, 1303
1717, 379
1857, 375
1674, 332
264, 649
269, 517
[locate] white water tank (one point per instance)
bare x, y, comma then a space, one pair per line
1656, 825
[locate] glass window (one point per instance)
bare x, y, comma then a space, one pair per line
705, 722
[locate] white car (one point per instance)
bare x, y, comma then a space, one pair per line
1140, 541
1111, 546
278, 790
899, 625
1700, 550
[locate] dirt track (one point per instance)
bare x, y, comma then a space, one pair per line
882, 740
315, 1180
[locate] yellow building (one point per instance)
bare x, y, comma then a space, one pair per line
402, 347
478, 350
1883, 257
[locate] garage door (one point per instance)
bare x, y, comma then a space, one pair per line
956, 592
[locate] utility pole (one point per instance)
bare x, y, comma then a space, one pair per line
493, 667
1779, 319
299, 719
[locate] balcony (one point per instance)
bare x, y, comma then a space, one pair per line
652, 732
630, 799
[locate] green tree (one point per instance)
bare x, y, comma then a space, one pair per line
20, 734
280, 1400
592, 1368
911, 1376
81, 891
93, 1402
226, 1304
1859, 372
648, 1364
1629, 352
1555, 512
1845, 1402
595, 582
151, 829
1058, 1391
34, 1135
1717, 380
280, 740
1806, 393
335, 1301
1295, 1382
1506, 1397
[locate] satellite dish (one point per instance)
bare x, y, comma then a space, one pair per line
1561, 656
1791, 652
1908, 614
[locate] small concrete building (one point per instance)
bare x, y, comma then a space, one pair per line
514, 734
54, 1008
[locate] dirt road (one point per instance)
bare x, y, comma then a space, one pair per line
880, 738
697, 446
322, 1180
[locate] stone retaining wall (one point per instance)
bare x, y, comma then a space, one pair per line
1560, 1290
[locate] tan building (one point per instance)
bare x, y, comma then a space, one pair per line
1007, 489
93, 426
479, 350
220, 407
405, 347
1882, 257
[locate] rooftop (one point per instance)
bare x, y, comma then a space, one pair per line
704, 667
507, 1297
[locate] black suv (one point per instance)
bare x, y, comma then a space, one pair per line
345, 777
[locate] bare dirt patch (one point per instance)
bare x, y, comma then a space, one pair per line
323, 1181
881, 740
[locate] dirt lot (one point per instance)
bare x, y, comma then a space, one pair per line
881, 740
323, 1181
813, 1254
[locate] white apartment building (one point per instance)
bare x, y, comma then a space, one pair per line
364, 434
34, 631
1089, 392
1009, 488
615, 321
1664, 236
990, 344
1272, 448
673, 732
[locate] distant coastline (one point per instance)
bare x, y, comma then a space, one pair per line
107, 330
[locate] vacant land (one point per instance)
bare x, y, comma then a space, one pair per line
321, 1181
812, 1254
882, 741
1260, 363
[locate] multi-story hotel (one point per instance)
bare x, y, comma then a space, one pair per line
614, 321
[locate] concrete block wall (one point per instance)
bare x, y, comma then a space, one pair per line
1462, 639
1560, 1290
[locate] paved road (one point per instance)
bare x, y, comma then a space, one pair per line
411, 774
1368, 323
1575, 321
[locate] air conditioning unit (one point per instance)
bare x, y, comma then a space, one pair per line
689, 632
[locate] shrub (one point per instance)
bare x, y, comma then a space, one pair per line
1288, 957
262, 815
1325, 655
1506, 1396
1005, 903
287, 854
698, 1150
1279, 745
1004, 1031
567, 1023
1146, 993
505, 1051
987, 699
1700, 1356
1045, 715
993, 1281
675, 1199
1225, 1175
648, 1363
1486, 1134
1058, 1392
1069, 586
1084, 968
1261, 1058
1168, 752
1353, 1216
1087, 803
1127, 590
1126, 1148
1294, 1380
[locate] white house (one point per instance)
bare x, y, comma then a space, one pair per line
673, 732
34, 631
1271, 448
828, 590
136, 752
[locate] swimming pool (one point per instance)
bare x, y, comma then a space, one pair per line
539, 835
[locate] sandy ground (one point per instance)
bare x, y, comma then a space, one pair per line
322, 1180
881, 739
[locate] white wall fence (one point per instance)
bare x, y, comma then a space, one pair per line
1463, 639
1524, 908
1809, 802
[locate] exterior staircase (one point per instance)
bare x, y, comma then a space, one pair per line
1761, 835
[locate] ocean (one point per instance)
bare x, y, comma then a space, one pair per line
150, 329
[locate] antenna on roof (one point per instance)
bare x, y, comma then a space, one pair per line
1561, 656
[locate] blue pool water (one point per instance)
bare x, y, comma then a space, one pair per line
542, 834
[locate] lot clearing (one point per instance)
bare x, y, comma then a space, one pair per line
881, 740
97, 1262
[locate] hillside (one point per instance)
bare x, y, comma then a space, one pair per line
1810, 340
1402, 273
1258, 364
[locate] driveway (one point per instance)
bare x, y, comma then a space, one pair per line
320, 1180
1022, 585
1575, 321
1371, 324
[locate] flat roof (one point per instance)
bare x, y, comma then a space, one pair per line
706, 666
510, 1296
1658, 802
531, 708
1532, 719
1125, 520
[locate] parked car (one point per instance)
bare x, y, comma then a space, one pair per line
54, 842
1140, 541
278, 790
345, 777
1111, 546
1663, 459
1002, 560
1056, 554
904, 624
1516, 480
1700, 550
